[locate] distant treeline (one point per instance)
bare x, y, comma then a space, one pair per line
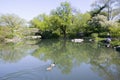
66, 22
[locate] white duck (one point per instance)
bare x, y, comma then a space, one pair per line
52, 65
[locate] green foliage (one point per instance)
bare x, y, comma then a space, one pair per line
114, 29
41, 22
72, 35
103, 34
61, 22
79, 22
94, 35
11, 20
103, 13
1, 39
55, 23
116, 34
10, 26
5, 32
55, 36
98, 24
46, 34
62, 18
9, 36
49, 35
58, 22
110, 7
115, 42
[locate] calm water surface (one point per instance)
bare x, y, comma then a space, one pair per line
29, 60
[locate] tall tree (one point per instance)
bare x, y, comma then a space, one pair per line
110, 6
11, 20
41, 22
63, 15
98, 24
79, 22
11, 24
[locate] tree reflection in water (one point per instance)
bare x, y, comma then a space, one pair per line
67, 55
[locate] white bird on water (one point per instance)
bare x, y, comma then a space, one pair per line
53, 65
50, 67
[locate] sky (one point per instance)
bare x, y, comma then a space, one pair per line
28, 9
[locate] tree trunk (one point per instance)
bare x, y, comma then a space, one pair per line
108, 11
65, 35
63, 30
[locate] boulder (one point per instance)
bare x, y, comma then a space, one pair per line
77, 40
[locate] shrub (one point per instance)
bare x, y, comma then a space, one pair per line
94, 36
1, 38
114, 30
72, 35
10, 36
103, 34
49, 35
55, 36
115, 42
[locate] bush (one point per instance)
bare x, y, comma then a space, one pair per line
115, 35
10, 36
46, 34
55, 36
103, 34
5, 32
115, 42
49, 35
94, 36
72, 35
115, 30
1, 38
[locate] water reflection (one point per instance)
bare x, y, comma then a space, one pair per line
73, 61
11, 52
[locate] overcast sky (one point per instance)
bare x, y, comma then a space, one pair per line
28, 9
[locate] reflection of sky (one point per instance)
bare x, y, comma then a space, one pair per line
82, 72
34, 69
74, 67
26, 63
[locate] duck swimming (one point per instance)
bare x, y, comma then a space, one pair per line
53, 65
50, 67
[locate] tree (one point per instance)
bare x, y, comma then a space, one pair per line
11, 20
98, 8
110, 6
114, 29
79, 22
62, 15
41, 22
98, 24
10, 25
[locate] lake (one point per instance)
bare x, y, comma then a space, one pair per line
29, 60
